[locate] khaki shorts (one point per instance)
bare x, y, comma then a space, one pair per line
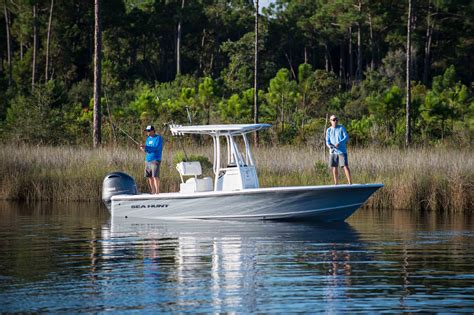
336, 160
152, 169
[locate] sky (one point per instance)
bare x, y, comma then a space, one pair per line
264, 3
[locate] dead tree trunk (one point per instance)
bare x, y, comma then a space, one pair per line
178, 41
255, 82
341, 63
326, 57
359, 55
351, 67
201, 55
408, 76
372, 48
35, 47
290, 64
429, 38
48, 40
9, 47
359, 46
97, 74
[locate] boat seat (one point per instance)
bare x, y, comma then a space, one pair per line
189, 168
194, 184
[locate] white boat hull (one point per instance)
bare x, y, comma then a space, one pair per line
321, 203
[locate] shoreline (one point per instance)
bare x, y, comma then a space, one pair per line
418, 179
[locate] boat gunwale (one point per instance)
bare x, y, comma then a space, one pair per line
205, 194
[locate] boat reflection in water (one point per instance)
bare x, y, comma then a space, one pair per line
203, 265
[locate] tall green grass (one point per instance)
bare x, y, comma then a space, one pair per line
419, 179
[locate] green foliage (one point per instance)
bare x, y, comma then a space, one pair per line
81, 93
78, 123
38, 118
386, 110
447, 102
206, 98
313, 132
165, 102
238, 75
237, 108
281, 99
387, 105
360, 130
393, 67
326, 87
297, 40
146, 101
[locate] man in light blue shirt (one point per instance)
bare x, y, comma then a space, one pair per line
153, 148
336, 139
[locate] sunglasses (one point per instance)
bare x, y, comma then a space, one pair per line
335, 119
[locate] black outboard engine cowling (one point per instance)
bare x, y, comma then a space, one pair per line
117, 183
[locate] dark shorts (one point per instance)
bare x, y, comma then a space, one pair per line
336, 160
152, 169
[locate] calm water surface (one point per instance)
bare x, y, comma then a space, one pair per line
72, 258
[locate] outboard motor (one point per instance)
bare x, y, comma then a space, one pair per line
117, 183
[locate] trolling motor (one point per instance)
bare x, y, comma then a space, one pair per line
117, 183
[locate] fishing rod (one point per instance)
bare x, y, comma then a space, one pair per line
114, 125
190, 122
179, 140
125, 133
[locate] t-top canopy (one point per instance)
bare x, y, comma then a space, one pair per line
217, 129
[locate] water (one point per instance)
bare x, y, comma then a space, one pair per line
71, 258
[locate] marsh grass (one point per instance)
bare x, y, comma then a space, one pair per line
418, 179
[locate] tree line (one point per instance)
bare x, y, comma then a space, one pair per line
181, 61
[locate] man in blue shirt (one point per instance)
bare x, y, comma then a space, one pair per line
336, 139
153, 148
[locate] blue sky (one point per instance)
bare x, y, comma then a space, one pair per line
265, 3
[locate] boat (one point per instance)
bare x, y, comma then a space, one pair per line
234, 192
